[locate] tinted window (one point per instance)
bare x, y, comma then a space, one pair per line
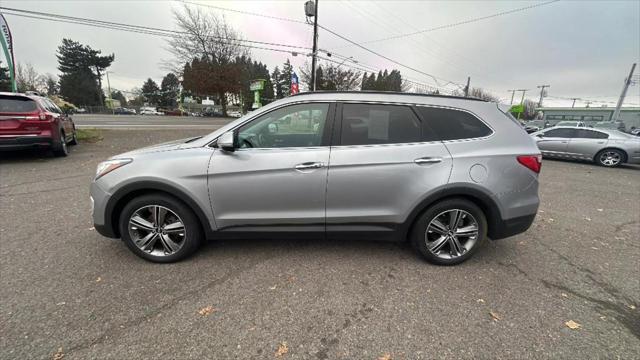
364, 124
589, 134
292, 126
14, 104
560, 133
451, 124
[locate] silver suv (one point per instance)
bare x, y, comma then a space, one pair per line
442, 172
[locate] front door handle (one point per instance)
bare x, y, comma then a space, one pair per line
427, 160
309, 165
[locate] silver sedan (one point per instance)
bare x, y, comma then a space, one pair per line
603, 146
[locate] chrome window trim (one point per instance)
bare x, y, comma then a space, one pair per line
212, 142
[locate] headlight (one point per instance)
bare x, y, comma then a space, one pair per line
108, 166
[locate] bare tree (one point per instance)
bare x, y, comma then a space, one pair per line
479, 93
204, 36
27, 78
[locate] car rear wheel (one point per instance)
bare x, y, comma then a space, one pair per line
160, 228
610, 157
450, 232
60, 149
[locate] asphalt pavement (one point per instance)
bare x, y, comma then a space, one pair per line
67, 290
148, 122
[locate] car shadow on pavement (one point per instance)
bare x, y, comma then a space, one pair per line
30, 155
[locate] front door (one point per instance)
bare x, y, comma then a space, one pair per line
276, 180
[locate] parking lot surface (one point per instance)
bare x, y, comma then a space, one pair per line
67, 290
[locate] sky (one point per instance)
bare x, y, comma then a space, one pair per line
583, 49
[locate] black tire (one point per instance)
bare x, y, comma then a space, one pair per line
616, 159
74, 139
60, 147
192, 234
419, 234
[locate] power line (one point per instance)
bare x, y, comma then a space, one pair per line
464, 22
435, 79
246, 12
127, 27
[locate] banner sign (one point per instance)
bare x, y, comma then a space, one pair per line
7, 47
294, 84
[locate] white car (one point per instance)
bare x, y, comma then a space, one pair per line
149, 111
234, 113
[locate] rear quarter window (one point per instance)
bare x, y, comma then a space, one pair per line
16, 104
450, 124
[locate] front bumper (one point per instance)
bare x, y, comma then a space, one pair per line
24, 142
99, 200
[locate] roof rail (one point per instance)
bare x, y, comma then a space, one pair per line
32, 92
387, 93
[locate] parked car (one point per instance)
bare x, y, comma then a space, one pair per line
442, 172
30, 120
210, 111
535, 125
605, 147
149, 111
635, 132
124, 111
175, 112
234, 113
611, 125
571, 123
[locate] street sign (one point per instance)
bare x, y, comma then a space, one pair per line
257, 85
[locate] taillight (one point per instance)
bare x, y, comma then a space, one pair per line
533, 162
46, 117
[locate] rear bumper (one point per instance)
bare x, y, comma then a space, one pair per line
25, 141
510, 227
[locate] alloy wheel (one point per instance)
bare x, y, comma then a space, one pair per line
63, 144
451, 234
157, 230
610, 158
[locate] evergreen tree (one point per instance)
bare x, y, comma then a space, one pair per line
151, 92
82, 68
276, 79
169, 88
285, 78
5, 78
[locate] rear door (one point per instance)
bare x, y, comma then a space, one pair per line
586, 143
381, 164
554, 142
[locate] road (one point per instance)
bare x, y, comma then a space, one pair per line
63, 286
128, 122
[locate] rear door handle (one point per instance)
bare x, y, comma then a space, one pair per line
427, 160
309, 165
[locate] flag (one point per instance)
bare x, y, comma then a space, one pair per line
7, 46
294, 84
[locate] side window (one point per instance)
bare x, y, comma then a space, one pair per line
364, 124
451, 124
560, 133
301, 125
590, 134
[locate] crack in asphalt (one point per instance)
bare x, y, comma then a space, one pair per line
43, 180
120, 329
39, 191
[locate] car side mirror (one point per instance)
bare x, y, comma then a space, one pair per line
227, 141
540, 135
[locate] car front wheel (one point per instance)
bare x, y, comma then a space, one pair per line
60, 149
450, 231
160, 228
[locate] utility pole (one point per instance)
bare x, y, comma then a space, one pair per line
574, 102
523, 92
513, 93
627, 82
311, 9
109, 92
466, 88
542, 87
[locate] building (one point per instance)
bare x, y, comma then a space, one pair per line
630, 116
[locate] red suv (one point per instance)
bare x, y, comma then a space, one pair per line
30, 120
